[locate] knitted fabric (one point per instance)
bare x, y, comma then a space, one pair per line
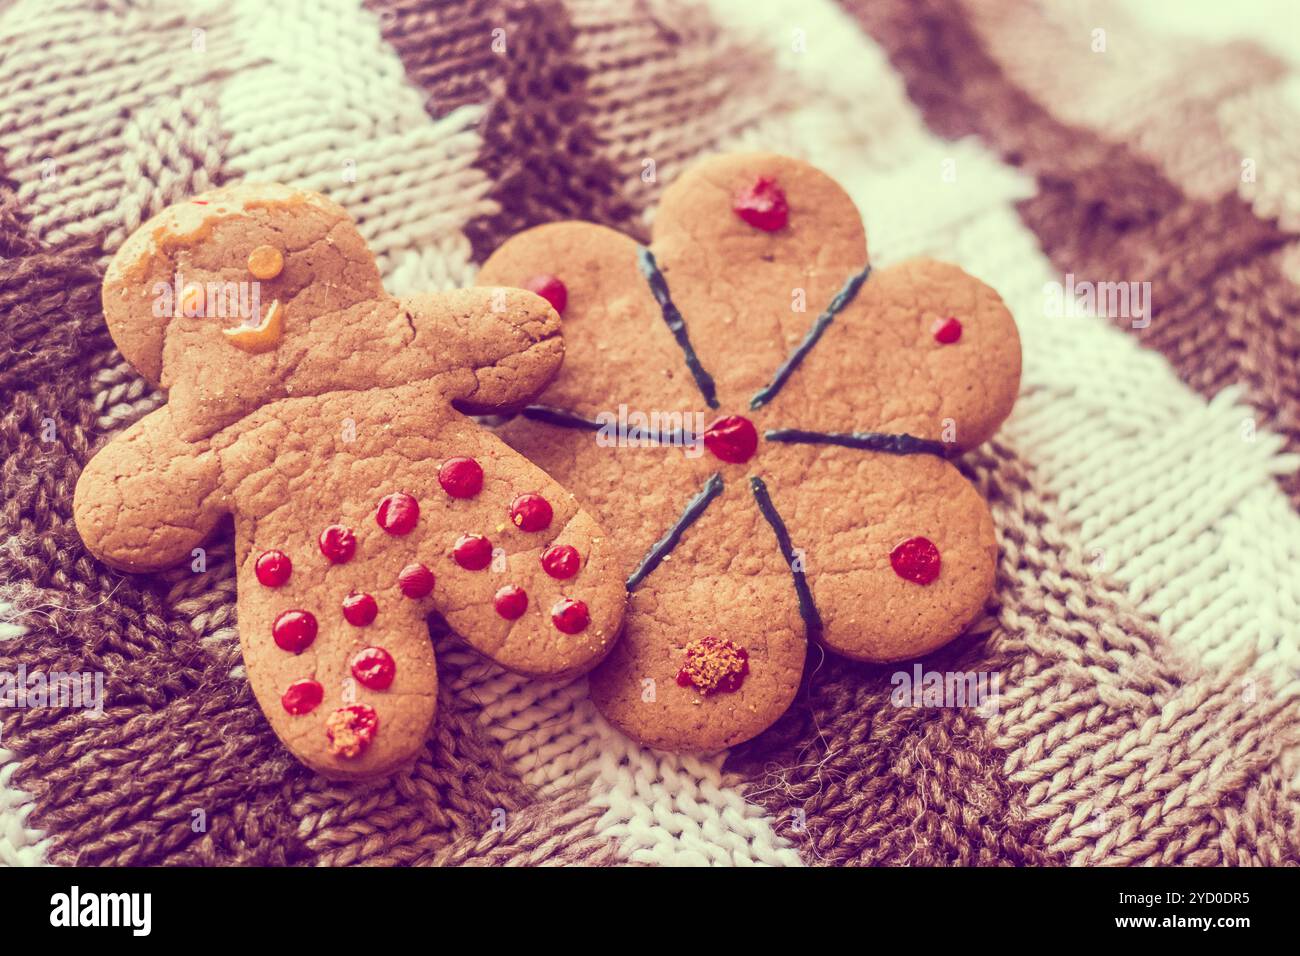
1145, 629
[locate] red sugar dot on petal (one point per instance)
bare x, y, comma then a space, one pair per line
732, 439
273, 568
946, 331
461, 477
338, 544
398, 513
415, 580
762, 204
511, 602
294, 631
916, 560
351, 729
551, 289
531, 513
374, 667
359, 609
714, 665
561, 561
473, 552
571, 617
302, 697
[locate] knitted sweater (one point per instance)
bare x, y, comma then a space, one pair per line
1145, 628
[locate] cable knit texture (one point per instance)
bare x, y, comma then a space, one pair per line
1144, 629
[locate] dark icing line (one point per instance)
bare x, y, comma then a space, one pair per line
661, 548
812, 620
562, 417
842, 298
868, 441
645, 261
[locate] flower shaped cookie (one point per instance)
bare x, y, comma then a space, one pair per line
821, 505
323, 415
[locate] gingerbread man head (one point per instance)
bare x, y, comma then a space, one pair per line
827, 397
325, 416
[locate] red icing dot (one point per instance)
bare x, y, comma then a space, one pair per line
294, 631
415, 580
359, 609
398, 513
570, 616
374, 667
551, 289
762, 204
531, 513
511, 602
273, 568
561, 561
473, 552
946, 331
302, 697
351, 729
461, 477
338, 544
916, 560
733, 439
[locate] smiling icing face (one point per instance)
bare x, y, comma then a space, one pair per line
221, 299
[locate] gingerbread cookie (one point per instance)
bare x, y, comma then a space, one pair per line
318, 411
803, 407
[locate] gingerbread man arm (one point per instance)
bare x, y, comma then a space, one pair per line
499, 347
148, 498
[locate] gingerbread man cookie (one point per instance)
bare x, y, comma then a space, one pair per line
762, 421
318, 411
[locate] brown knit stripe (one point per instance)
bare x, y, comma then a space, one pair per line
560, 832
1122, 751
669, 84
1105, 214
852, 780
539, 150
1170, 98
592, 106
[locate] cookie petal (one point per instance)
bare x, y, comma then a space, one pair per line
618, 348
749, 296
639, 490
924, 349
849, 510
727, 581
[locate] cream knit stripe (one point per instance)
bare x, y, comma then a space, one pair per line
658, 808
106, 116
1263, 126
330, 109
20, 844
